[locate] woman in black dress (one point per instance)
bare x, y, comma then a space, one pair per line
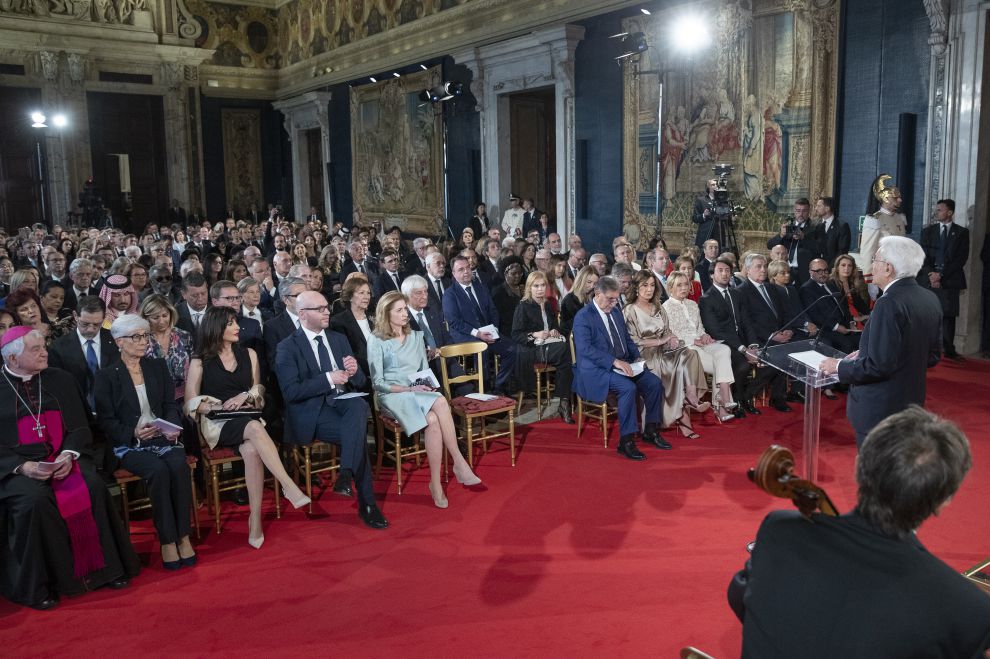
226, 376
506, 296
538, 339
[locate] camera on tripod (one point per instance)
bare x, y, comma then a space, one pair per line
721, 204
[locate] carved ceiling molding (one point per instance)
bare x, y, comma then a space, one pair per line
938, 14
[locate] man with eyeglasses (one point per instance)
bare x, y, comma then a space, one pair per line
84, 352
285, 323
604, 352
80, 282
160, 277
832, 315
315, 367
390, 279
55, 265
225, 294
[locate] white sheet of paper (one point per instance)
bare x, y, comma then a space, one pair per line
49, 468
637, 368
351, 394
491, 329
481, 397
425, 374
811, 358
166, 427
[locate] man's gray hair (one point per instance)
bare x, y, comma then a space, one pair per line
296, 270
413, 283
285, 285
247, 283
16, 347
433, 256
597, 256
128, 324
79, 263
420, 242
622, 270
751, 258
606, 284
902, 254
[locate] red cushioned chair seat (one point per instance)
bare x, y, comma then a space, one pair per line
122, 474
472, 406
221, 453
389, 422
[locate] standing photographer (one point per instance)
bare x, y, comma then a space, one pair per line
799, 239
704, 216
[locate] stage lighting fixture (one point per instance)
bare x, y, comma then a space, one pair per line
38, 120
396, 74
632, 44
442, 92
373, 79
422, 66
60, 121
646, 12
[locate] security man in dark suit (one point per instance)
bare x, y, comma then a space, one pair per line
901, 340
946, 246
832, 234
861, 585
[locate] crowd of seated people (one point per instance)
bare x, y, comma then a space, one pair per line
184, 321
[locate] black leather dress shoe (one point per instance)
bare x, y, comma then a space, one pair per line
781, 406
748, 407
795, 397
117, 584
372, 516
343, 486
629, 450
49, 602
653, 437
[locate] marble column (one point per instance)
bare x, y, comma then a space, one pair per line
177, 134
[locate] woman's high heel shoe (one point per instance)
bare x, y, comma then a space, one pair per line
300, 501
700, 407
439, 498
686, 431
255, 540
467, 480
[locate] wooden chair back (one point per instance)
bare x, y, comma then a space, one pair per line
462, 350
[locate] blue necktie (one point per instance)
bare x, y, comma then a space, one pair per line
94, 365
481, 315
618, 346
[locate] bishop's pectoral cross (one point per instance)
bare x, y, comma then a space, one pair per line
38, 427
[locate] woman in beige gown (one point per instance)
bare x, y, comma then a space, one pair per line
680, 370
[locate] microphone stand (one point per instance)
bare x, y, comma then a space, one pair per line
835, 298
763, 350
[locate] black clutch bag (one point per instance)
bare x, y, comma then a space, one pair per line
221, 415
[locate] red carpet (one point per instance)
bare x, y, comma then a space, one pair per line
574, 552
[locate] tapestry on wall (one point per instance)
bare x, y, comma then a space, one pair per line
397, 147
242, 157
760, 97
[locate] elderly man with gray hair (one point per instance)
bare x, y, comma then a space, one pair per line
902, 339
63, 534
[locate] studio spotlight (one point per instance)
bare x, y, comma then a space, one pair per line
442, 92
632, 44
689, 33
38, 120
60, 121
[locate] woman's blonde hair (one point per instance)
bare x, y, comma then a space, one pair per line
777, 267
156, 303
580, 281
673, 278
533, 277
383, 328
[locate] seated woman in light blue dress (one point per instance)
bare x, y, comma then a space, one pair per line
395, 352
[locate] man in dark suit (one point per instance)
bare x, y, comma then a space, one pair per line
946, 246
704, 266
901, 340
79, 283
195, 299
429, 320
763, 309
800, 239
721, 314
862, 584
389, 279
478, 277
416, 261
603, 346
87, 350
531, 216
436, 279
832, 234
281, 326
825, 309
176, 213
315, 367
359, 261
468, 308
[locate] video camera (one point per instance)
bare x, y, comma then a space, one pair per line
721, 205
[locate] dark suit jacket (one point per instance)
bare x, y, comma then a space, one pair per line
593, 348
824, 313
718, 318
67, 353
117, 405
479, 230
836, 587
371, 269
704, 270
184, 321
435, 301
758, 320
956, 254
837, 241
71, 301
276, 330
251, 337
461, 314
569, 306
305, 386
901, 340
384, 283
346, 324
807, 249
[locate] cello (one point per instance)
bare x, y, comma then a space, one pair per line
774, 474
